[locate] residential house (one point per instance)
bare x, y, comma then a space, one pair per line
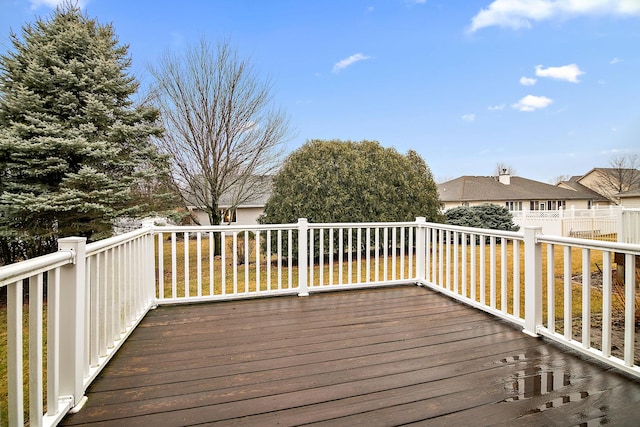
608, 182
515, 193
597, 200
236, 209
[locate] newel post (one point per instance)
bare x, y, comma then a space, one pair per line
532, 280
421, 233
149, 261
303, 256
72, 319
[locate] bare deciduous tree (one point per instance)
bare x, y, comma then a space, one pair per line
220, 129
622, 175
558, 179
503, 168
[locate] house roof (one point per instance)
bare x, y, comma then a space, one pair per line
254, 194
633, 193
633, 175
257, 197
576, 186
488, 188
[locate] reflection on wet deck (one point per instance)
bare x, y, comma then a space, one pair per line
387, 356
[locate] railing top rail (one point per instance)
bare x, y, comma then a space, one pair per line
225, 228
102, 245
515, 235
260, 227
362, 224
590, 244
22, 270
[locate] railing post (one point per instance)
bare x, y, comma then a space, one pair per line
303, 255
421, 232
150, 261
532, 281
72, 320
620, 226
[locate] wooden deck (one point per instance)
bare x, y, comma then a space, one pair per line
388, 356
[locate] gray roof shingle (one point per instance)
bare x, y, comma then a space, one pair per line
488, 188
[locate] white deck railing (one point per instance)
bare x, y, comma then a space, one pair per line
96, 294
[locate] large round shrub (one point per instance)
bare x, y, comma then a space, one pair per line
345, 181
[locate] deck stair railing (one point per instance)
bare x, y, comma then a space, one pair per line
90, 297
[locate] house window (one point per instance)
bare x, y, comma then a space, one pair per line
514, 206
547, 205
536, 205
228, 215
553, 205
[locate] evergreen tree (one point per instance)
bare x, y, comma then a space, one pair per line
487, 216
73, 144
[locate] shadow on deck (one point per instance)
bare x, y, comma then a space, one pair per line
386, 356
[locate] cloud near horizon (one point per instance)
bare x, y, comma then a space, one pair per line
517, 14
531, 103
469, 117
568, 73
344, 63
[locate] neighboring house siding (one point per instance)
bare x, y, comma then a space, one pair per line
248, 215
630, 200
244, 215
576, 204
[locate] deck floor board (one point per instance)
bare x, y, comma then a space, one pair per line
387, 356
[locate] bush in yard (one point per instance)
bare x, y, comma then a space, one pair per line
345, 181
463, 216
488, 216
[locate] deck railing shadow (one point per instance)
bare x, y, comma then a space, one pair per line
84, 300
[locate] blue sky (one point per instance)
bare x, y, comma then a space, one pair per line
549, 87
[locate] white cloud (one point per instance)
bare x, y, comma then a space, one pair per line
532, 103
344, 63
527, 81
569, 72
615, 60
469, 117
52, 4
518, 14
496, 107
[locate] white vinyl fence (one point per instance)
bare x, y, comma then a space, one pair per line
613, 223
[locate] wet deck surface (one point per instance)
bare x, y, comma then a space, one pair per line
389, 356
